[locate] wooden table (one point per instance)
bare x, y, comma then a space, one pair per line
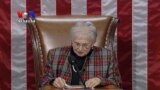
53, 88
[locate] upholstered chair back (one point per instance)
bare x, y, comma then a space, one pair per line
53, 31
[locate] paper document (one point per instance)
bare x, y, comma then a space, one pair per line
76, 87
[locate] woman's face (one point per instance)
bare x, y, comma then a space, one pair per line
81, 45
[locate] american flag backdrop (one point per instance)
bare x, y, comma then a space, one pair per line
138, 39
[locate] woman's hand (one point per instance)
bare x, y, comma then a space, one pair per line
59, 82
93, 82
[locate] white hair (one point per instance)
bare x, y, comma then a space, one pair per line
84, 28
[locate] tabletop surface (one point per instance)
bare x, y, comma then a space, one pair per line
53, 88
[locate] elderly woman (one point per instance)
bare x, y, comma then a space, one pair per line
82, 62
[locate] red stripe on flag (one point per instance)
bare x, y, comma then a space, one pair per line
63, 7
93, 7
124, 40
35, 6
5, 45
154, 45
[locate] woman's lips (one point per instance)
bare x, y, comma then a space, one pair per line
80, 53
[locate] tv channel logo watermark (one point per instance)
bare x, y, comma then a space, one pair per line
26, 17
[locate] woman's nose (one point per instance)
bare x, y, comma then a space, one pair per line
80, 48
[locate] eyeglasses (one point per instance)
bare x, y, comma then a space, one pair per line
83, 45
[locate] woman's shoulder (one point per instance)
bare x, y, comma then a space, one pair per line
60, 49
102, 51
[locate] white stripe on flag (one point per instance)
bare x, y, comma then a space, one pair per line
139, 44
78, 7
48, 7
109, 7
18, 47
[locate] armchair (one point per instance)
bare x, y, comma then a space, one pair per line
53, 31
